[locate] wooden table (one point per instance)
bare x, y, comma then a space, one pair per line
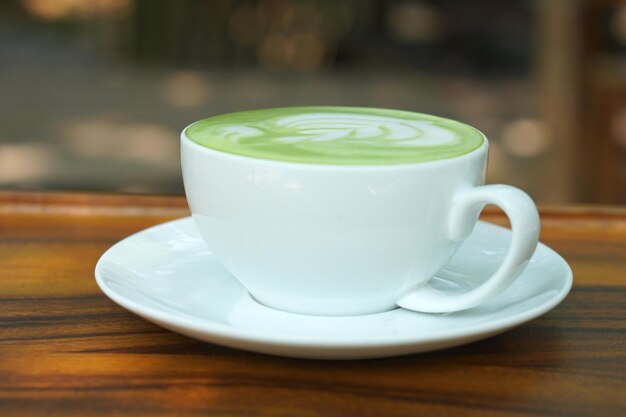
66, 349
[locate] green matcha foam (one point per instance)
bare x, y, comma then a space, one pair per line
336, 135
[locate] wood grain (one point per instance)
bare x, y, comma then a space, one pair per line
66, 350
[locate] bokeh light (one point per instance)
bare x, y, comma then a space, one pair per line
273, 51
107, 137
306, 51
59, 9
525, 138
186, 89
413, 22
245, 25
25, 162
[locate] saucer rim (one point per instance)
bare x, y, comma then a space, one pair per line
213, 330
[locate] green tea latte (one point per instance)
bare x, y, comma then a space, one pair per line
336, 135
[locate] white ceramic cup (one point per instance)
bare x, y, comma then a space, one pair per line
350, 240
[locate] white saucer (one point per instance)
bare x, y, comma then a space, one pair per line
167, 275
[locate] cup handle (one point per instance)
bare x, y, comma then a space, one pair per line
466, 207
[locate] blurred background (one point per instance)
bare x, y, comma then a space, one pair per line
94, 93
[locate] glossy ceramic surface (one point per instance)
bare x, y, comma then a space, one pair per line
349, 240
167, 275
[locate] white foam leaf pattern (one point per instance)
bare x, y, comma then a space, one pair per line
327, 127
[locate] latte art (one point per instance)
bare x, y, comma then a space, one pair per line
336, 135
